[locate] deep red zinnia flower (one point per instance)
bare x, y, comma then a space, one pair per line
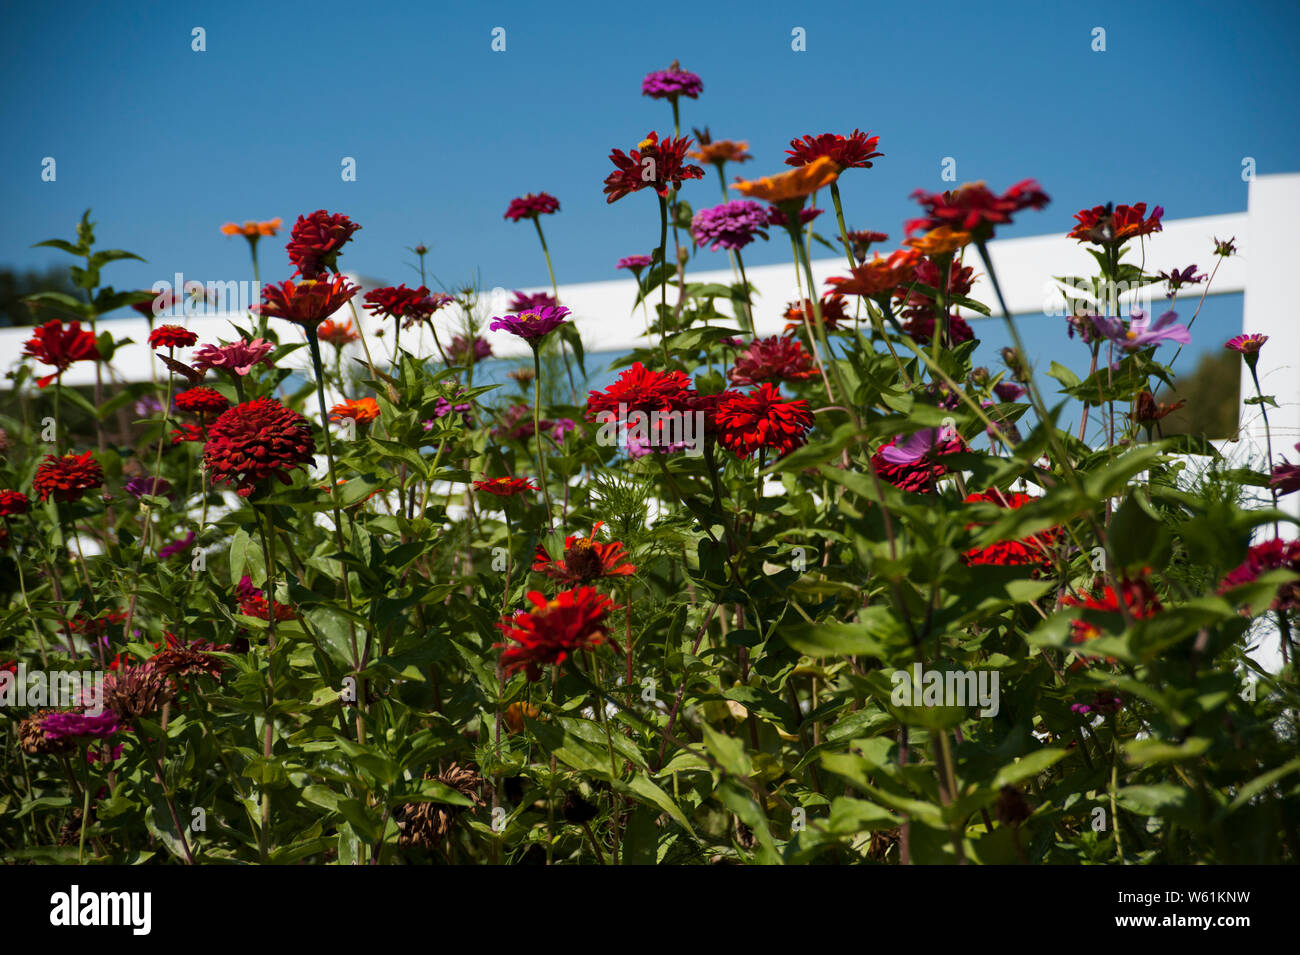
187, 433
1114, 225
554, 630
833, 313
974, 208
639, 389
848, 152
204, 402
411, 305
171, 336
52, 344
13, 503
1034, 551
505, 486
531, 206
659, 165
772, 359
257, 440
309, 302
315, 241
68, 478
1139, 598
1270, 555
762, 420
585, 559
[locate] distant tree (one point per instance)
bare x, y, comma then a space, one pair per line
15, 285
1212, 392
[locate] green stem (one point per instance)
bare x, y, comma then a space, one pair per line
537, 432
844, 232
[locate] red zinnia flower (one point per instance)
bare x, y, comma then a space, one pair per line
772, 359
309, 302
1138, 596
505, 486
762, 419
1270, 555
67, 478
1034, 551
554, 630
920, 326
848, 152
204, 402
337, 334
639, 389
412, 305
52, 344
532, 205
13, 503
171, 336
661, 162
188, 432
1107, 225
253, 602
973, 208
585, 559
257, 440
316, 240
833, 313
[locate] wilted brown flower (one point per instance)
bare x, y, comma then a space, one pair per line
32, 738
426, 824
137, 690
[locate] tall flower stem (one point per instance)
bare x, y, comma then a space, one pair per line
749, 307
537, 432
844, 232
267, 532
801, 251
1268, 433
663, 284
555, 292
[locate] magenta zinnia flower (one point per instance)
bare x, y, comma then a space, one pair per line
532, 205
65, 725
634, 262
238, 358
523, 302
671, 83
1246, 344
731, 225
1270, 555
1286, 476
534, 325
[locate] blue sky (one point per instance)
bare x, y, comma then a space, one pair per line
166, 144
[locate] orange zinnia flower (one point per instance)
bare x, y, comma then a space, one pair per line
944, 240
360, 410
516, 713
252, 230
878, 276
797, 184
723, 150
337, 334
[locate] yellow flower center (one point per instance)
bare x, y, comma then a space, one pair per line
645, 144
1130, 334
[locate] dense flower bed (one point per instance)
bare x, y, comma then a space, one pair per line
851, 593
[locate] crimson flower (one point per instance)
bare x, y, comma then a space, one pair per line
659, 165
1285, 477
52, 344
68, 478
253, 602
171, 336
307, 303
762, 420
639, 389
531, 206
848, 152
13, 503
1110, 225
772, 359
920, 326
315, 242
505, 486
1033, 551
204, 402
585, 559
412, 305
974, 208
1270, 555
187, 433
554, 630
257, 440
1139, 599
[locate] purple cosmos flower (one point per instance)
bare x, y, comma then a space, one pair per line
1246, 344
176, 546
238, 358
915, 447
1141, 331
731, 225
532, 325
1008, 391
523, 302
672, 83
1177, 279
71, 725
634, 262
142, 485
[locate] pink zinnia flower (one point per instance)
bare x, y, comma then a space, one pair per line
238, 358
1246, 344
533, 325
